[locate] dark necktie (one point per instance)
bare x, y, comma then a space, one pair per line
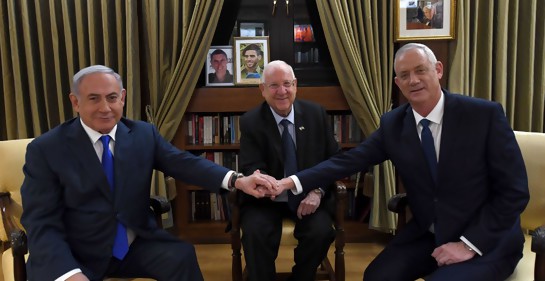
429, 148
121, 244
290, 161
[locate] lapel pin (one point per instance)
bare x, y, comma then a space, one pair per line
301, 128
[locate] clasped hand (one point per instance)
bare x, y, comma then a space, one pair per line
258, 185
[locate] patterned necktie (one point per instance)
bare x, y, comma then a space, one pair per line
429, 148
121, 243
290, 161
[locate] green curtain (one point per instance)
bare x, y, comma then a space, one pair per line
499, 55
358, 34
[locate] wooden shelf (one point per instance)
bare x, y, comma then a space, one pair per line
236, 146
242, 99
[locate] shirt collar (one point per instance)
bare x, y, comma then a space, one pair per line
278, 118
436, 115
94, 136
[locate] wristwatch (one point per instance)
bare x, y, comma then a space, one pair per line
233, 179
319, 191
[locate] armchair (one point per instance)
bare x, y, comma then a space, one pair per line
325, 271
12, 235
532, 264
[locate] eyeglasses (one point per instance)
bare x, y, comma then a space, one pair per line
276, 86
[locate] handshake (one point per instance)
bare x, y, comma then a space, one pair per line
261, 185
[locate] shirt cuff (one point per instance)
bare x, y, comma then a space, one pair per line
68, 274
225, 182
298, 187
470, 245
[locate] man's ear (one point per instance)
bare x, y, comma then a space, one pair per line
74, 101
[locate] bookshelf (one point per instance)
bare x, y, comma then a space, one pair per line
237, 100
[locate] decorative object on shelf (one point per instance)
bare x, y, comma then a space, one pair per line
251, 29
251, 54
219, 66
303, 33
424, 20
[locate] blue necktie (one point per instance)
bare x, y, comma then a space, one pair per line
290, 161
121, 244
429, 148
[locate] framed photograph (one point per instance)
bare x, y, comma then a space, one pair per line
219, 66
251, 54
251, 29
424, 20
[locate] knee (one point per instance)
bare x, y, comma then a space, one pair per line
181, 252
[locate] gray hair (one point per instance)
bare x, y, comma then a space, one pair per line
276, 64
76, 80
411, 46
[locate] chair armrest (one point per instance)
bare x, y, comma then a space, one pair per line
159, 204
340, 204
17, 237
538, 247
398, 203
538, 240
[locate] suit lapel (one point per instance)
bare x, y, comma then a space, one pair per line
122, 159
450, 133
82, 148
301, 135
272, 128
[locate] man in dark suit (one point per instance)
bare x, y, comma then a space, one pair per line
261, 149
74, 210
466, 197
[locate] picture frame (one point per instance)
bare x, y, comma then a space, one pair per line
424, 20
250, 55
219, 59
252, 29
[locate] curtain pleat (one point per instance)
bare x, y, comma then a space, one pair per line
358, 34
499, 56
158, 48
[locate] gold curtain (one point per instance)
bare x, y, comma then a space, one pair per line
499, 55
43, 43
358, 34
176, 63
158, 47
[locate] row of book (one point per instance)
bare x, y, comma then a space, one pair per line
209, 206
224, 128
213, 129
227, 159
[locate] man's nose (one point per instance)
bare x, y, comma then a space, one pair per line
413, 79
104, 105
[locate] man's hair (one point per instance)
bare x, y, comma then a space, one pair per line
218, 52
411, 46
253, 47
76, 80
274, 65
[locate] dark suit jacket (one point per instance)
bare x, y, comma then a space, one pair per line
482, 184
261, 145
69, 211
